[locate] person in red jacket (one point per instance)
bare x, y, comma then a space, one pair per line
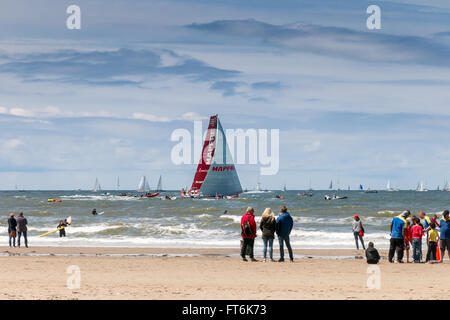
248, 233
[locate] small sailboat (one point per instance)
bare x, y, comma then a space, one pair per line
310, 189
284, 188
159, 187
446, 186
389, 187
420, 187
97, 186
330, 187
118, 184
143, 185
361, 187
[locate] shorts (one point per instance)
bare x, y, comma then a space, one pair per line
445, 244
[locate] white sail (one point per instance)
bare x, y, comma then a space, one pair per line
118, 183
143, 185
446, 186
159, 186
97, 186
420, 187
389, 187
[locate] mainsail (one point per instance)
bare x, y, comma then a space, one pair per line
330, 187
143, 185
97, 186
216, 173
159, 185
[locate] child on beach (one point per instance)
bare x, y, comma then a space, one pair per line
433, 238
372, 254
416, 235
407, 238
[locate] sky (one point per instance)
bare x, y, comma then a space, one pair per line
353, 105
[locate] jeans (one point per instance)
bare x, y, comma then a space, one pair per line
247, 243
270, 242
357, 236
13, 239
281, 240
24, 237
431, 253
417, 249
396, 245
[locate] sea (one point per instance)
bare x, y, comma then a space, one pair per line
131, 221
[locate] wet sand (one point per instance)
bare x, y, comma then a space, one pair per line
181, 273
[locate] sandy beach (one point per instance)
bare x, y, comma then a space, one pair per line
180, 273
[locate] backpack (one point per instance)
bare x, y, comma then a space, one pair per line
247, 230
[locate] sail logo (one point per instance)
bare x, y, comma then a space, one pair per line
224, 148
227, 168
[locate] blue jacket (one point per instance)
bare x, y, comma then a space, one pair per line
284, 224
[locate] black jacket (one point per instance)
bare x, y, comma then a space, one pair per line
372, 255
268, 228
12, 224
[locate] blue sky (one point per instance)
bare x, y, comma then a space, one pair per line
351, 104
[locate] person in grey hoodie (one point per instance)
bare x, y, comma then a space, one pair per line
22, 229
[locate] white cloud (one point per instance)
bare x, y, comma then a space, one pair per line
149, 117
193, 116
19, 112
313, 146
11, 144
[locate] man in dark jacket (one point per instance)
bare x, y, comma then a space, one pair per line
372, 254
22, 229
12, 224
248, 233
284, 227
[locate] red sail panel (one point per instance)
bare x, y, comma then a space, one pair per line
207, 156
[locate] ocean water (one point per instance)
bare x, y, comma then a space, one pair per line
203, 223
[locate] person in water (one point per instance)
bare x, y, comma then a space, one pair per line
372, 254
358, 231
268, 226
62, 228
283, 228
94, 212
12, 229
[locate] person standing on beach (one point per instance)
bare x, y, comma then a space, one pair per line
358, 231
416, 235
283, 228
397, 242
268, 226
12, 224
445, 235
22, 229
433, 238
408, 240
248, 233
